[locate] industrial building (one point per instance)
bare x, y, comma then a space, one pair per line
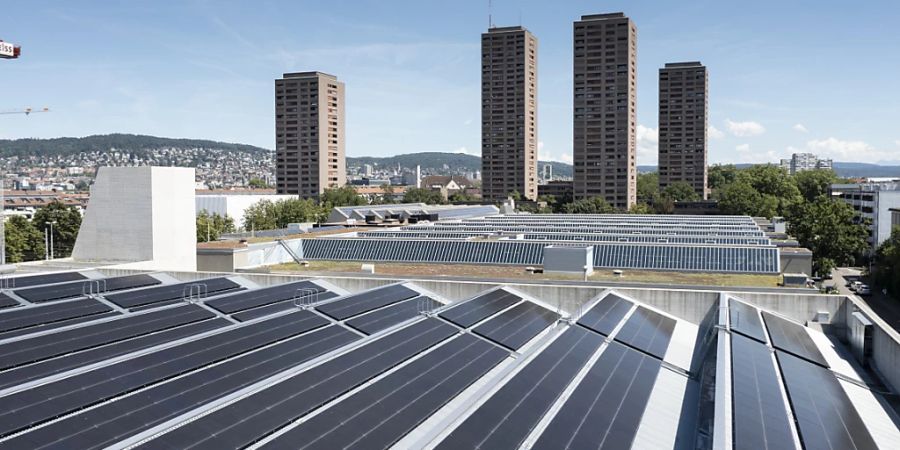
112, 358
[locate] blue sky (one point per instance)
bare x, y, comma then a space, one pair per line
822, 76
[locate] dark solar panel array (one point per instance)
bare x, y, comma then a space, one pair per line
46, 346
34, 280
77, 288
508, 416
384, 318
825, 415
745, 320
470, 312
648, 331
20, 318
367, 301
517, 325
136, 413
760, 418
793, 338
605, 409
606, 314
381, 414
256, 298
277, 307
161, 294
7, 301
30, 407
256, 416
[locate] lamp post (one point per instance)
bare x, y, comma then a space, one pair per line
51, 223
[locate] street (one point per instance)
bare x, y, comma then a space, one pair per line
887, 308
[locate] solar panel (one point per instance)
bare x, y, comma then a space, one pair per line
606, 314
209, 286
509, 415
132, 414
367, 301
825, 416
384, 318
760, 415
34, 280
40, 315
793, 338
260, 297
745, 320
381, 414
256, 416
77, 288
605, 410
30, 407
70, 361
647, 331
38, 348
470, 312
517, 325
277, 307
7, 301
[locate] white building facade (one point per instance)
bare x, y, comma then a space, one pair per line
873, 201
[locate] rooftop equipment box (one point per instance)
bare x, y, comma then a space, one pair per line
564, 259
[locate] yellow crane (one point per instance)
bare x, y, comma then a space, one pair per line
25, 111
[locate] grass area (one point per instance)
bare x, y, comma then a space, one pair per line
480, 271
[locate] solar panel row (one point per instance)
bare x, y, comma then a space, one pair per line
647, 331
604, 316
277, 307
19, 318
608, 237
209, 286
792, 338
586, 229
745, 320
469, 313
78, 288
34, 280
516, 326
7, 301
367, 301
243, 301
384, 318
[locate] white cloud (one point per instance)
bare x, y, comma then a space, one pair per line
567, 158
800, 127
647, 145
842, 150
897, 142
744, 129
743, 148
467, 122
715, 133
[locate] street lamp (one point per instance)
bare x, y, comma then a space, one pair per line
51, 223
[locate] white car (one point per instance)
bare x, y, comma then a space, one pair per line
854, 286
864, 289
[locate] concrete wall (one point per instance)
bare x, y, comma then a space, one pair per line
796, 263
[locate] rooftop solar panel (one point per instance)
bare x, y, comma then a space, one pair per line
470, 312
34, 280
18, 318
759, 411
384, 318
56, 325
127, 416
509, 415
745, 320
77, 288
605, 410
277, 307
792, 338
260, 297
606, 314
7, 301
33, 406
647, 331
367, 301
148, 296
825, 416
381, 414
256, 416
517, 325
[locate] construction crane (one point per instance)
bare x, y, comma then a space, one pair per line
25, 111
8, 50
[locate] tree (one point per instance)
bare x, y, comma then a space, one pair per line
66, 223
647, 187
641, 208
773, 183
24, 242
269, 215
827, 227
681, 191
342, 196
515, 195
257, 183
210, 227
461, 197
814, 183
593, 205
887, 263
422, 195
719, 176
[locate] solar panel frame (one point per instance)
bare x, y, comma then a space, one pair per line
793, 338
470, 312
357, 304
276, 307
159, 294
384, 318
7, 301
19, 318
516, 326
605, 314
35, 280
745, 319
245, 300
647, 331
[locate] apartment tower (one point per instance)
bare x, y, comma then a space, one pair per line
309, 134
508, 113
683, 110
605, 118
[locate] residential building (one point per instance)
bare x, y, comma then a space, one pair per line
509, 113
559, 189
548, 172
873, 201
605, 120
683, 110
805, 161
309, 134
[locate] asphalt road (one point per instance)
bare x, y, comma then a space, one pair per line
886, 307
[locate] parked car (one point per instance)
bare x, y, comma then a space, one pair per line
864, 289
855, 285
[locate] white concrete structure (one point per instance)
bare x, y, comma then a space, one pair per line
233, 205
143, 215
873, 201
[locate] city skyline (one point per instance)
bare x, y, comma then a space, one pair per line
141, 69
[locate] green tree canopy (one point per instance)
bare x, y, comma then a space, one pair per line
647, 187
269, 215
342, 196
774, 184
681, 191
827, 227
422, 195
887, 263
814, 183
66, 223
593, 205
210, 227
257, 183
718, 175
24, 242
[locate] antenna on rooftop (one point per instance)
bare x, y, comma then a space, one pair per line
490, 19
